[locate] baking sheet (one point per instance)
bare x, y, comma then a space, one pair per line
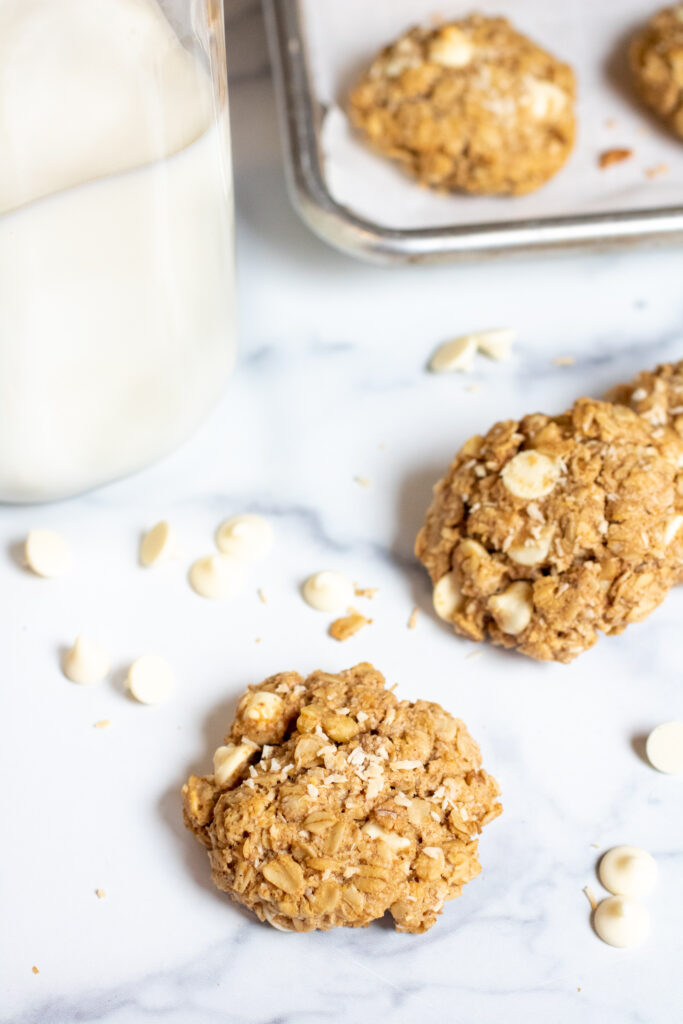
343, 37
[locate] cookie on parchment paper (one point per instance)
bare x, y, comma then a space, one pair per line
470, 106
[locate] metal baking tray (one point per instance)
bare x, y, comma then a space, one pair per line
301, 116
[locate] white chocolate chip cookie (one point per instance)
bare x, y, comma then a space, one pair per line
656, 57
549, 530
472, 106
342, 803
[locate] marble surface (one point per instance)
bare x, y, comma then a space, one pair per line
331, 385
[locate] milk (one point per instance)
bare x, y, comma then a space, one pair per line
116, 248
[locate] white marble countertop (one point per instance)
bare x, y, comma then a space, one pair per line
331, 385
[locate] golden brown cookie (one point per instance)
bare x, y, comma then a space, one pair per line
552, 529
656, 57
333, 802
472, 106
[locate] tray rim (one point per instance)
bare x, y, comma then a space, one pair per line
300, 118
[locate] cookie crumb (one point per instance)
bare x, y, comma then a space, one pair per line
342, 629
368, 592
35, 969
363, 481
614, 156
257, 640
473, 655
102, 723
100, 893
412, 620
611, 122
564, 361
657, 171
590, 896
473, 387
262, 597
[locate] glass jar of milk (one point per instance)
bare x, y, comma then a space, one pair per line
116, 236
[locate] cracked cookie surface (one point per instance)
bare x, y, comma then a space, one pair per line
656, 57
552, 529
333, 802
470, 106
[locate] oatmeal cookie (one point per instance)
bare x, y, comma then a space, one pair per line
655, 394
333, 802
656, 57
472, 106
549, 530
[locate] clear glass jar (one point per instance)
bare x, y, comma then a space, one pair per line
117, 291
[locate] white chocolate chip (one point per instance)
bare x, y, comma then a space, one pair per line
621, 922
628, 871
392, 839
47, 553
671, 529
533, 550
263, 706
246, 536
150, 679
228, 761
456, 356
328, 591
87, 662
544, 99
664, 748
447, 596
397, 65
160, 544
451, 48
512, 609
529, 474
495, 344
217, 577
469, 548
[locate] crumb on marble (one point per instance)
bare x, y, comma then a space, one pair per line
35, 969
261, 596
472, 387
368, 592
101, 893
564, 361
363, 481
590, 896
611, 122
257, 640
473, 655
657, 171
412, 620
348, 625
102, 723
614, 156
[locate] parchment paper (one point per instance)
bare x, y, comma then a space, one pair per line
343, 35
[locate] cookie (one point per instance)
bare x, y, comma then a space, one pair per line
547, 531
656, 58
655, 394
471, 106
333, 802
